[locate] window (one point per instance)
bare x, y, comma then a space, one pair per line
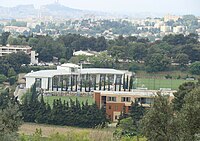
125, 99
116, 107
145, 100
72, 69
112, 98
109, 107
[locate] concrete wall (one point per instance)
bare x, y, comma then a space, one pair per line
29, 82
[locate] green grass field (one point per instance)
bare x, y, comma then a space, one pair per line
50, 99
156, 84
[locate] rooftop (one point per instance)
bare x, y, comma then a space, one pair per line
101, 71
48, 73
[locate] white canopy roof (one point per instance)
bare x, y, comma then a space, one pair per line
70, 65
48, 73
101, 71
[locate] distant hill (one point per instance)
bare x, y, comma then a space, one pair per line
55, 9
59, 10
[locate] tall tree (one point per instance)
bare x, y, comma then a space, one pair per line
158, 123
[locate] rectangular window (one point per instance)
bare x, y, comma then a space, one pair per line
125, 99
109, 107
116, 107
112, 99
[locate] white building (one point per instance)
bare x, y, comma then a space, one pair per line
71, 77
34, 57
179, 29
4, 50
86, 53
165, 28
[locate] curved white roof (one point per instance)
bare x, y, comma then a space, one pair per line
101, 71
47, 73
70, 65
82, 53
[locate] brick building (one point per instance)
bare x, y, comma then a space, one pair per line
115, 101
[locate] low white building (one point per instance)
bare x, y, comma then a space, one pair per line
71, 77
86, 53
5, 50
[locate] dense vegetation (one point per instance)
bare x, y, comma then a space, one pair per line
173, 51
166, 121
72, 113
10, 117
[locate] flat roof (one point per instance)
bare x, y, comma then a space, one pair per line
48, 73
101, 71
136, 92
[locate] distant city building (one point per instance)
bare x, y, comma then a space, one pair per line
15, 29
171, 18
165, 28
179, 29
115, 102
5, 50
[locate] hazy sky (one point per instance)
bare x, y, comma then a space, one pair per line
131, 6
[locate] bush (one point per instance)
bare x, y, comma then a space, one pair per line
12, 80
3, 78
195, 68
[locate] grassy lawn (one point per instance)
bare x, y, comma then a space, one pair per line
50, 99
71, 132
157, 83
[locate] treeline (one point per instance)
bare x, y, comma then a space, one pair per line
61, 47
177, 120
159, 55
173, 51
72, 113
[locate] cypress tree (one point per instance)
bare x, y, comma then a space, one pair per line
131, 84
104, 84
81, 85
95, 83
124, 85
71, 83
108, 83
127, 82
116, 84
100, 83
120, 83
76, 83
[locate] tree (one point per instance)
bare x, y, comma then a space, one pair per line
137, 112
2, 78
10, 117
182, 59
157, 62
4, 38
195, 68
159, 124
179, 96
190, 116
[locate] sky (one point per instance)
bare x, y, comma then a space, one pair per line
178, 7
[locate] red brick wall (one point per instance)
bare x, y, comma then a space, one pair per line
97, 98
113, 107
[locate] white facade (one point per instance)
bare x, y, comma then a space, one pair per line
34, 58
4, 50
68, 74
